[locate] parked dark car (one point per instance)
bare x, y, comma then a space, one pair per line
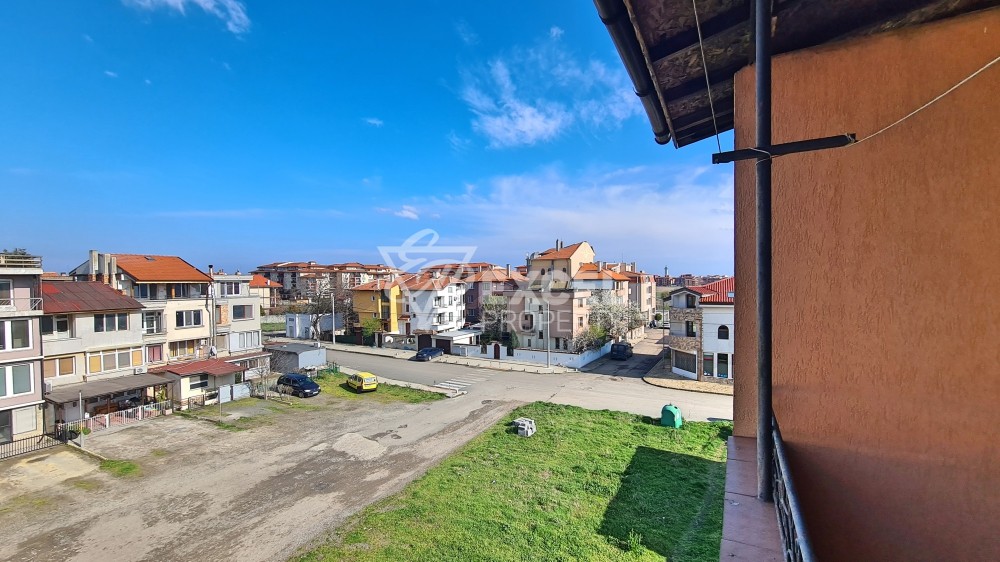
428, 353
297, 385
621, 350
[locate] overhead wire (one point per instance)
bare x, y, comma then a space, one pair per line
704, 65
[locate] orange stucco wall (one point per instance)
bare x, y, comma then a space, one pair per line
886, 291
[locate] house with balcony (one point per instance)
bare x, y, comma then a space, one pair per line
551, 307
236, 331
378, 299
702, 329
485, 283
21, 369
269, 292
177, 315
92, 334
834, 456
436, 304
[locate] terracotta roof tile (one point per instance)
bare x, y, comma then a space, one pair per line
160, 268
562, 253
718, 292
60, 297
261, 282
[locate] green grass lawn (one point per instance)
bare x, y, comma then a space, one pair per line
120, 468
335, 385
588, 486
272, 326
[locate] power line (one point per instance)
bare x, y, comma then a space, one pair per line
704, 65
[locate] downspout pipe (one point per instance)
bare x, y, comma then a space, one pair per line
615, 17
765, 438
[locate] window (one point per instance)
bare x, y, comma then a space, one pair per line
16, 380
579, 320
685, 361
6, 292
242, 312
541, 334
200, 381
689, 301
15, 334
187, 318
6, 430
111, 322
182, 348
178, 290
229, 288
689, 329
373, 298
112, 359
723, 366
61, 367
709, 364
152, 323
154, 353
723, 332
144, 291
58, 325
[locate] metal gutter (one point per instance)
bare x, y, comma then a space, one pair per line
623, 35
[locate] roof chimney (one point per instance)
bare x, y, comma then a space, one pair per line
210, 271
633, 267
508, 270
113, 270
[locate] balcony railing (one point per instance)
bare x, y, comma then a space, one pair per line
21, 304
20, 261
791, 524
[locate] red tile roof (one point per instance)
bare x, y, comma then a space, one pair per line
495, 275
261, 282
214, 367
563, 253
430, 283
718, 292
61, 297
589, 271
160, 268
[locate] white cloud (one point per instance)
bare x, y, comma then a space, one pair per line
510, 120
533, 95
110, 74
374, 121
407, 212
233, 12
88, 38
465, 33
458, 143
148, 81
655, 215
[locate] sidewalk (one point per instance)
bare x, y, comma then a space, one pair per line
496, 364
660, 376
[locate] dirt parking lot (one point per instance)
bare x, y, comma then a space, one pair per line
206, 493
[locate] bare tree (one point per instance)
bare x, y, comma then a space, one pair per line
494, 317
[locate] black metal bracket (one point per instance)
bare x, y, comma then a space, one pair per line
838, 141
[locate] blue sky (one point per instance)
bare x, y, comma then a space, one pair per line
244, 132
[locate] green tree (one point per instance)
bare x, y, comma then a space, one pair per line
370, 327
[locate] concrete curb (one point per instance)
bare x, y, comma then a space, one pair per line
80, 449
680, 385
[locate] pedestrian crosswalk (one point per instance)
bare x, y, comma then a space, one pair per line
462, 382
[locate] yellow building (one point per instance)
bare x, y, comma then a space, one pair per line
378, 299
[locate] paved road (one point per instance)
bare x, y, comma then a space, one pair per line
594, 390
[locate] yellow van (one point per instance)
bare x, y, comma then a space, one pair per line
362, 381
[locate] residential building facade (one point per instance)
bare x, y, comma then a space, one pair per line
702, 331
437, 304
237, 332
269, 292
485, 283
21, 369
378, 299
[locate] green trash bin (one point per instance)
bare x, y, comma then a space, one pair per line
670, 416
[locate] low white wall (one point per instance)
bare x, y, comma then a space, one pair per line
558, 358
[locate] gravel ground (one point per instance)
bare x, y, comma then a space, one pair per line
209, 494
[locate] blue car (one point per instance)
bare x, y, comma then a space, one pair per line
297, 385
428, 353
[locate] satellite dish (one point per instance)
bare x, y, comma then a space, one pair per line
388, 339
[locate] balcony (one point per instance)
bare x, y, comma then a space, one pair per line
688, 344
749, 531
550, 285
19, 261
21, 306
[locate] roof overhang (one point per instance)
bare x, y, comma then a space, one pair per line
658, 41
103, 387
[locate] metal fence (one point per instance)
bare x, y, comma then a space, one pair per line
103, 421
791, 525
27, 445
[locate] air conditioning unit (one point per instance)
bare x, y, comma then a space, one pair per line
48, 386
140, 370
